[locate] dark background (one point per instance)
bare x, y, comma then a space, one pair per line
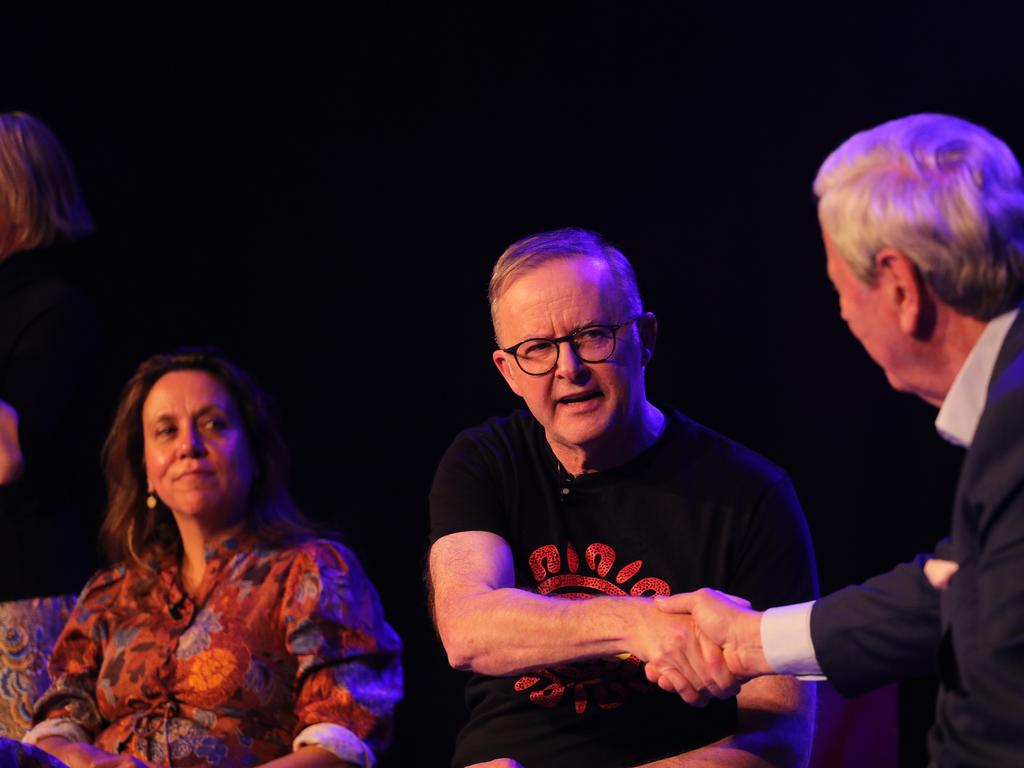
322, 194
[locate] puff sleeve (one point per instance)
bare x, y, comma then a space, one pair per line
348, 675
69, 706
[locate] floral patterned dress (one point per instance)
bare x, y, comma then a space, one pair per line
275, 643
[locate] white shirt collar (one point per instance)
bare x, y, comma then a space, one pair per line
961, 410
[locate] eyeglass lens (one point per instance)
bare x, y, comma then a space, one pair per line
592, 345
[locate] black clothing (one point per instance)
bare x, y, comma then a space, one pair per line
897, 625
48, 346
693, 510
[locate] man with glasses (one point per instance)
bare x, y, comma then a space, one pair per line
552, 529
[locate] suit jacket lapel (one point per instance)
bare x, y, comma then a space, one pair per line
1013, 347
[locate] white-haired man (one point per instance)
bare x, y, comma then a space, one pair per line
596, 493
923, 223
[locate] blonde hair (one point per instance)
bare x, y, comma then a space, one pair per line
39, 191
945, 192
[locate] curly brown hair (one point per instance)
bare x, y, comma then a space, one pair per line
131, 532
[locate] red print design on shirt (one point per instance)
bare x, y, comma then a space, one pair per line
610, 681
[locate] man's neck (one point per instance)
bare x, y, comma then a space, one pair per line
959, 334
612, 450
964, 401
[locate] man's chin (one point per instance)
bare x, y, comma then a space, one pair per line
580, 430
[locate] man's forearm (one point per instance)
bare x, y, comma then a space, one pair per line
506, 631
775, 730
493, 628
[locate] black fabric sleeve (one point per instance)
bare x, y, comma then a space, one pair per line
775, 560
467, 493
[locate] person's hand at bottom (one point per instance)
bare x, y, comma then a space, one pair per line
78, 754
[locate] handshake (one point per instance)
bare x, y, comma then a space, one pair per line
701, 645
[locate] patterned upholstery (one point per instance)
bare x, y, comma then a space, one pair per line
28, 630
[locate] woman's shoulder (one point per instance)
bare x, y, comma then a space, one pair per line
104, 587
320, 552
106, 577
325, 560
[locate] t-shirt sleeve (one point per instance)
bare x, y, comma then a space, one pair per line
467, 493
348, 659
775, 558
77, 657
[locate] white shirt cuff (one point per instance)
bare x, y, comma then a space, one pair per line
337, 740
58, 726
786, 641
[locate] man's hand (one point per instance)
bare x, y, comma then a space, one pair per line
679, 658
939, 572
728, 623
501, 762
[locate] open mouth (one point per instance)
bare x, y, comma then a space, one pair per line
582, 397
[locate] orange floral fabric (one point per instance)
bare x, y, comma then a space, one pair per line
273, 641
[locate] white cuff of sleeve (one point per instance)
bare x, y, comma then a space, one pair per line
58, 726
337, 740
786, 641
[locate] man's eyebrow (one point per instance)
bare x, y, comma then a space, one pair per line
579, 327
587, 323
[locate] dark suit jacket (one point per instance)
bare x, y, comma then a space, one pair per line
896, 625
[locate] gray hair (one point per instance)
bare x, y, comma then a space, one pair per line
945, 192
534, 250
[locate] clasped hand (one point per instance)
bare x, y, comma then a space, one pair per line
698, 645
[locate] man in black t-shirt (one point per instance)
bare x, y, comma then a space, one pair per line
552, 530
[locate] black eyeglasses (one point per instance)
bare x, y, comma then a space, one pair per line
591, 344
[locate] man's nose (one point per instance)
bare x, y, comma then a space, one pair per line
570, 366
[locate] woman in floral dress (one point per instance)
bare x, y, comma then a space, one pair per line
226, 634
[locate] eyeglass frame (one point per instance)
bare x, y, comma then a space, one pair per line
570, 337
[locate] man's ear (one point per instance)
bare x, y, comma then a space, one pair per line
647, 324
505, 364
902, 283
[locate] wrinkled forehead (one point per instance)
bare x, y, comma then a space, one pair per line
556, 297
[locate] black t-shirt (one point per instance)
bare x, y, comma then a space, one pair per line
694, 510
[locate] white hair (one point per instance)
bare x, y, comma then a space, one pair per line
945, 192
